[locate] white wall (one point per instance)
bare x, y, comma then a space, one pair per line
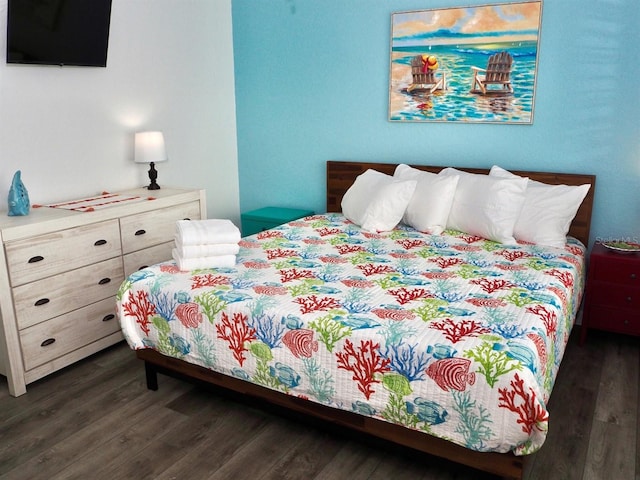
169, 67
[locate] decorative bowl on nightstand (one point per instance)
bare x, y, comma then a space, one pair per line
622, 247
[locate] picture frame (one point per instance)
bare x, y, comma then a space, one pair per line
475, 64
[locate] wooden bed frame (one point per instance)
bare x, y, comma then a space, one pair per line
340, 175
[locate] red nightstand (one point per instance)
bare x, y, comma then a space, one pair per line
612, 297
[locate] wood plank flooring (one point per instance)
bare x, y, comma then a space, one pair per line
97, 420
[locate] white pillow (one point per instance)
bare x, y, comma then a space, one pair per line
431, 202
377, 201
547, 211
486, 206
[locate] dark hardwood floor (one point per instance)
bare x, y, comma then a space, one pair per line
97, 420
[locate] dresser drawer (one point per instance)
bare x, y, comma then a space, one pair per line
51, 339
51, 297
616, 270
618, 320
46, 255
153, 228
608, 294
149, 256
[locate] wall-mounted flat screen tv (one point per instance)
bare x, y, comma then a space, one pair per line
58, 32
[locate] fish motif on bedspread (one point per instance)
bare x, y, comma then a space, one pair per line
453, 335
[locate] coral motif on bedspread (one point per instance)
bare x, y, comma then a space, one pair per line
453, 335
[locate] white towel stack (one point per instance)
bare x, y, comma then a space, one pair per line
206, 244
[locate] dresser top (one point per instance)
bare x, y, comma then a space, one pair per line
45, 219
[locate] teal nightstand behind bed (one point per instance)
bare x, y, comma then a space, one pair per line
265, 218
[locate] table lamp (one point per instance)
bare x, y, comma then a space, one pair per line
149, 148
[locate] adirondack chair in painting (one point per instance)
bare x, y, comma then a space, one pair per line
498, 72
423, 73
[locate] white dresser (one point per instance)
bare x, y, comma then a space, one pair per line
61, 269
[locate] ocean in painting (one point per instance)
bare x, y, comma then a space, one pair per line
457, 103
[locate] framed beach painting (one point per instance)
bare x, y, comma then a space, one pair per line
465, 64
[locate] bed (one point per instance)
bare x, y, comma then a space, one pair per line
448, 343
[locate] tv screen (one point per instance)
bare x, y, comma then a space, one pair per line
58, 32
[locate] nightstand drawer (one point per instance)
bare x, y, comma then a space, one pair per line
153, 228
612, 300
58, 336
614, 320
50, 297
265, 218
617, 270
47, 255
250, 227
620, 296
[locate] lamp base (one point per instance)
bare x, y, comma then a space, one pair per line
153, 175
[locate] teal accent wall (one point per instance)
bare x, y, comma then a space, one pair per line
312, 80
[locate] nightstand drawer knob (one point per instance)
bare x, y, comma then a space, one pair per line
104, 281
99, 243
140, 232
42, 301
106, 318
626, 322
47, 342
628, 299
633, 276
37, 258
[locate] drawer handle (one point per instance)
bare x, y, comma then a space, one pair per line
628, 299
633, 276
106, 318
104, 281
142, 266
42, 301
140, 232
186, 218
37, 258
47, 342
626, 322
100, 242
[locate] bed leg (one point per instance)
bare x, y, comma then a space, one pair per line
152, 376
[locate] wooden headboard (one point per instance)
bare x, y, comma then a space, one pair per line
341, 174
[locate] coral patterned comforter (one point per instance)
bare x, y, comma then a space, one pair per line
453, 335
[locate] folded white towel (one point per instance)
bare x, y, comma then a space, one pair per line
204, 232
218, 261
208, 250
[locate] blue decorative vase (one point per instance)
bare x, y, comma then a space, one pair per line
18, 197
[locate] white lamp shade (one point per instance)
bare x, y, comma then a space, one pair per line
149, 147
